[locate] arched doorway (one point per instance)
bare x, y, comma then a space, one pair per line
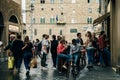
13, 25
1, 25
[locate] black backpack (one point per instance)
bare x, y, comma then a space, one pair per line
39, 46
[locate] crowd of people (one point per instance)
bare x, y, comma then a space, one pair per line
94, 49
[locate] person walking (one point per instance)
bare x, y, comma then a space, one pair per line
8, 47
17, 52
53, 49
27, 54
36, 47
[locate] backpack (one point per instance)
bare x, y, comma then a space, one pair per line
39, 46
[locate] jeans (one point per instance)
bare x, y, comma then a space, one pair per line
75, 57
64, 56
43, 60
90, 54
54, 57
27, 58
18, 62
106, 54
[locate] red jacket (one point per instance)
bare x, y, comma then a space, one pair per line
60, 48
101, 42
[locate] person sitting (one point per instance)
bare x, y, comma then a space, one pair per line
60, 52
74, 51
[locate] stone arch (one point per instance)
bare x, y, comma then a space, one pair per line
1, 25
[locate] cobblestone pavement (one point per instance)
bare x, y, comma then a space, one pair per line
97, 73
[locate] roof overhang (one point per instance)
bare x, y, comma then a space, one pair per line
101, 19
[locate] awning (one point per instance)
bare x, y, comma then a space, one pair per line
100, 19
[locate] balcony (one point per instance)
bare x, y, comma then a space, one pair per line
61, 23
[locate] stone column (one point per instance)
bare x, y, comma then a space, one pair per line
118, 30
115, 32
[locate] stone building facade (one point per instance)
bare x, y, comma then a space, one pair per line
10, 19
60, 17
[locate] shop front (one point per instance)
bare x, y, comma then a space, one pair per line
10, 19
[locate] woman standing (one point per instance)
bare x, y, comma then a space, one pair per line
89, 49
27, 54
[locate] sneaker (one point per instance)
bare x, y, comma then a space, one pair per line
27, 73
64, 66
53, 68
44, 68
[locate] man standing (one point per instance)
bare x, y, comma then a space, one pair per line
17, 52
44, 51
79, 41
54, 44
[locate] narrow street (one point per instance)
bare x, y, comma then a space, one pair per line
97, 73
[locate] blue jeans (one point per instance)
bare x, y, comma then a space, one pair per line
27, 58
106, 59
64, 56
75, 57
90, 54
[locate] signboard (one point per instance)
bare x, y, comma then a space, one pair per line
13, 28
73, 30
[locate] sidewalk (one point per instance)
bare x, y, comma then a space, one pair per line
98, 73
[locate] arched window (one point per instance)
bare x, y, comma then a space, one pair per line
13, 19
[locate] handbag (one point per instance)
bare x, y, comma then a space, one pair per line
33, 63
11, 62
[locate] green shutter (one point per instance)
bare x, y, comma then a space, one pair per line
88, 20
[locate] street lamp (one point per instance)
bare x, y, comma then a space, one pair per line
31, 27
31, 16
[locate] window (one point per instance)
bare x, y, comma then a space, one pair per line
61, 1
60, 32
42, 20
98, 10
32, 20
73, 20
73, 1
90, 10
89, 20
52, 1
89, 1
42, 9
61, 13
97, 1
32, 1
35, 31
50, 31
42, 1
52, 9
52, 20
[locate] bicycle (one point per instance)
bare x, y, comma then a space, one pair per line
72, 70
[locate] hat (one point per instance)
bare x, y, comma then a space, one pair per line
12, 35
